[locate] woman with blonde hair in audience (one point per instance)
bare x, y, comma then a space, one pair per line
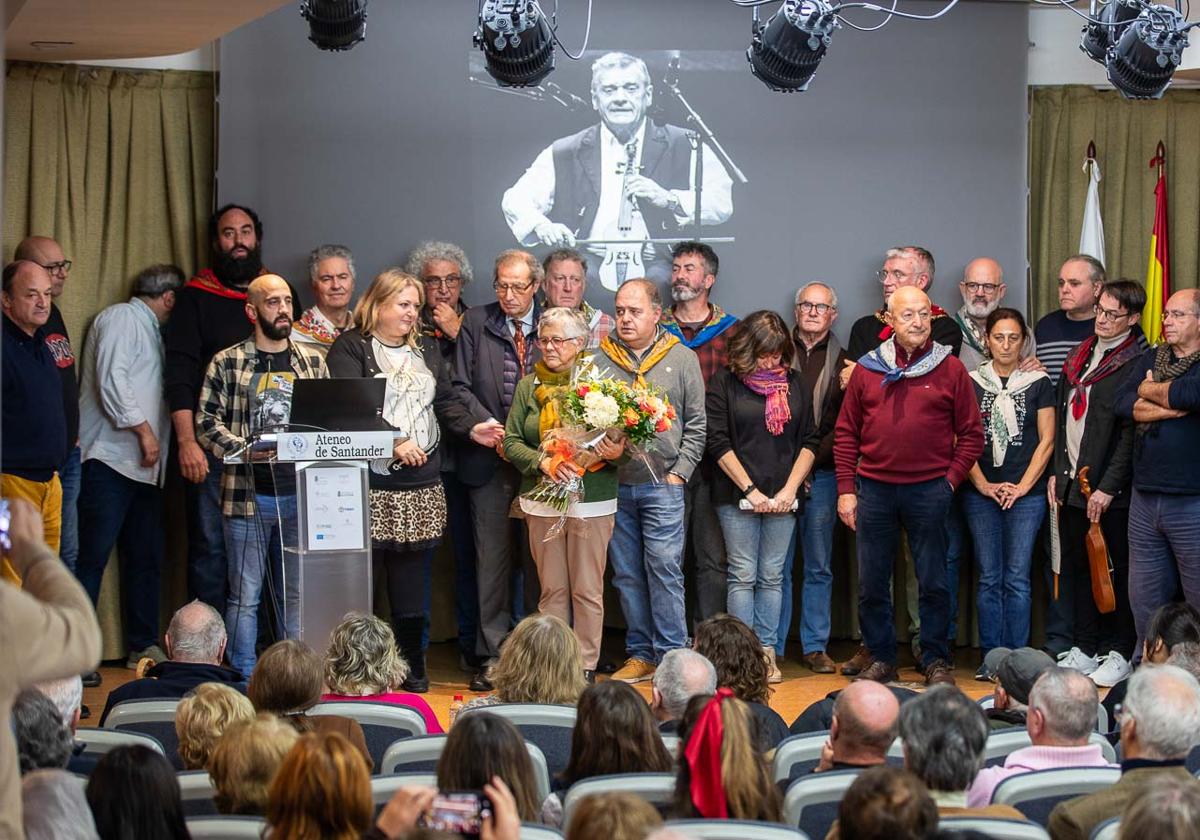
245, 761
322, 791
482, 746
613, 816
362, 663
722, 775
539, 663
287, 682
202, 716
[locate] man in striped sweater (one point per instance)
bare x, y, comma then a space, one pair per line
1079, 283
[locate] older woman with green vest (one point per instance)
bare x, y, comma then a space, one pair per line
570, 563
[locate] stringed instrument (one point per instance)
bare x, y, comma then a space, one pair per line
623, 260
1098, 560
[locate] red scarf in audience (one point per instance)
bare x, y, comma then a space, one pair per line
703, 756
772, 384
1077, 360
206, 281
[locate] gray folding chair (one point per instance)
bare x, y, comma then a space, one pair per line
155, 718
811, 803
196, 789
735, 830
1035, 794
1110, 829
547, 725
671, 742
412, 755
382, 787
797, 756
533, 831
226, 828
998, 829
383, 723
100, 741
656, 788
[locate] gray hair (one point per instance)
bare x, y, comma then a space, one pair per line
1168, 810
43, 738
1096, 272
197, 633
515, 255
1164, 700
682, 675
66, 694
54, 807
922, 257
571, 320
157, 280
617, 60
414, 263
1186, 655
832, 292
329, 252
944, 734
1068, 701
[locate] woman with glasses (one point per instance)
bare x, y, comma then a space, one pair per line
570, 563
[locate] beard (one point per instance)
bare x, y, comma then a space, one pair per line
273, 330
982, 310
682, 294
237, 271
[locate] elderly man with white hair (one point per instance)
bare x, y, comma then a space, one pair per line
680, 676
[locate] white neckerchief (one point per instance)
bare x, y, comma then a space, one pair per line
1002, 421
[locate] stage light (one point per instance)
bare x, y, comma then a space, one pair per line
786, 51
335, 24
1143, 58
516, 40
1111, 17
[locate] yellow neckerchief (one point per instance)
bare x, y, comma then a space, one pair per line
623, 359
550, 386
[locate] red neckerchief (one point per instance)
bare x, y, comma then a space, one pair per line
886, 333
1077, 358
703, 754
206, 281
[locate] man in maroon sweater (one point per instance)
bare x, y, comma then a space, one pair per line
908, 432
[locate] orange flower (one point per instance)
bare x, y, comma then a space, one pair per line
661, 426
631, 418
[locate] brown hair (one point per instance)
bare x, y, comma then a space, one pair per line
386, 285
480, 746
761, 333
362, 658
287, 679
321, 792
614, 733
202, 716
1168, 810
735, 651
750, 793
540, 662
613, 816
245, 762
887, 803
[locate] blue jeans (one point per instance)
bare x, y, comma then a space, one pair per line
69, 476
815, 531
646, 553
255, 548
921, 509
1004, 553
956, 539
207, 565
757, 546
115, 510
1164, 552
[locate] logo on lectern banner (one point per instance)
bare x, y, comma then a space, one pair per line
296, 446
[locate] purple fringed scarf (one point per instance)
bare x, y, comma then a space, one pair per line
772, 384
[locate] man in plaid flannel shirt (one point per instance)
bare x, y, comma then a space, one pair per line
259, 501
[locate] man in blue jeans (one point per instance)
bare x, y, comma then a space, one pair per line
908, 433
646, 550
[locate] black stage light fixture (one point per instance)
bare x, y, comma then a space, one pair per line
335, 24
1143, 58
785, 52
516, 40
1113, 16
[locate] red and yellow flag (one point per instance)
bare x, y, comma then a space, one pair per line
1158, 272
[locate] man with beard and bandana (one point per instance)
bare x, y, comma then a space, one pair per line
210, 314
258, 503
705, 329
983, 289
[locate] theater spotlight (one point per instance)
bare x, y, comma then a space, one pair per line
785, 51
335, 24
1111, 18
1142, 61
516, 40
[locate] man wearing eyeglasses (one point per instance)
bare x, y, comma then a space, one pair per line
443, 268
496, 346
983, 289
331, 270
566, 283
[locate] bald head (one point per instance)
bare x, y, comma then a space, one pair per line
1181, 322
47, 253
864, 722
196, 634
261, 287
910, 316
982, 287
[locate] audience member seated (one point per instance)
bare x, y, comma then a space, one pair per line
744, 668
613, 816
203, 716
614, 733
885, 803
865, 719
245, 760
321, 792
1159, 723
363, 663
1186, 655
1014, 673
680, 676
1170, 810
195, 643
287, 682
44, 742
1170, 625
133, 793
722, 774
482, 747
818, 717
67, 695
55, 808
944, 734
540, 662
1062, 714
401, 816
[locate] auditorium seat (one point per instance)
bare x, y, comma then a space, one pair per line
1110, 829
383, 723
196, 789
811, 803
97, 742
1035, 794
226, 828
735, 830
421, 754
155, 718
998, 829
548, 726
656, 788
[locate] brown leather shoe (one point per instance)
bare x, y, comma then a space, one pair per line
939, 672
860, 660
819, 662
877, 671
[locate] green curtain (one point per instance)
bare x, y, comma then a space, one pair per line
1062, 122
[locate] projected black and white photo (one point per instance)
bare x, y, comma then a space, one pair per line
628, 185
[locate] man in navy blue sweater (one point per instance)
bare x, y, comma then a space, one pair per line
1162, 395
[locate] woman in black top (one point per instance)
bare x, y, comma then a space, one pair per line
761, 434
408, 507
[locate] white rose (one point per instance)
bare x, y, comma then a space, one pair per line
600, 411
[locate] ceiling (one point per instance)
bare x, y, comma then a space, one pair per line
84, 30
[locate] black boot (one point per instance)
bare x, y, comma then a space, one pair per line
408, 638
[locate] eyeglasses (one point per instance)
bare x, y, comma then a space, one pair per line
1108, 314
975, 288
908, 317
515, 288
809, 306
58, 267
446, 282
1176, 314
896, 274
554, 341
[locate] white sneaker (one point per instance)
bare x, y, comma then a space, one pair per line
1080, 661
1113, 668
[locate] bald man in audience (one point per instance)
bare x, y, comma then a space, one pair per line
865, 717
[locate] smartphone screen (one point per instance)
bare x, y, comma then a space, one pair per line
458, 812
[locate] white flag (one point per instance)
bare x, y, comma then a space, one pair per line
1091, 238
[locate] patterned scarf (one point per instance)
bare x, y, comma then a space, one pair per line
772, 384
549, 386
1167, 367
970, 330
935, 311
1078, 358
623, 358
1002, 419
718, 322
206, 281
883, 360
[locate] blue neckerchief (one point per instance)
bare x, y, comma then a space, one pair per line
883, 360
705, 335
